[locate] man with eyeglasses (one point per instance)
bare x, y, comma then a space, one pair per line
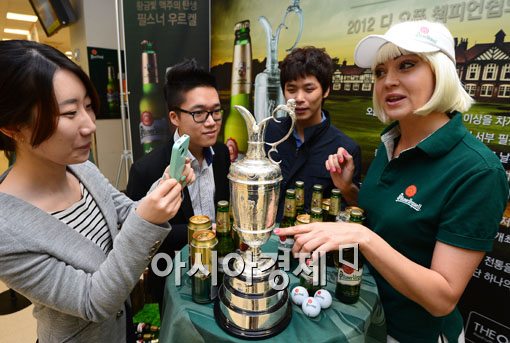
194, 109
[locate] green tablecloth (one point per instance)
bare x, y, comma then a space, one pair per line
186, 321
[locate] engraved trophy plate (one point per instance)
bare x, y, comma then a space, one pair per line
247, 306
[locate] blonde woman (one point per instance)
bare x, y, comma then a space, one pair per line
434, 195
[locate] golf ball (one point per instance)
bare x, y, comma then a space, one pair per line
298, 295
324, 298
311, 307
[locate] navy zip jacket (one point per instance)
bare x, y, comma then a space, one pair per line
307, 163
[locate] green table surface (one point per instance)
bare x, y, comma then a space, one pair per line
185, 321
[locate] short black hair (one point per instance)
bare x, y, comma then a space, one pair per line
27, 95
306, 61
183, 77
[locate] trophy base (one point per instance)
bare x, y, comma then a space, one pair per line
250, 334
252, 310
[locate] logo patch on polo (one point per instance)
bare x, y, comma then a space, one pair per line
407, 198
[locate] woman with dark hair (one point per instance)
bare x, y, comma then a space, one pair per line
434, 195
71, 243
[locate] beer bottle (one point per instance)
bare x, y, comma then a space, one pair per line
345, 215
289, 213
333, 211
153, 124
348, 282
316, 215
334, 205
236, 134
225, 241
316, 196
289, 216
112, 92
300, 197
306, 280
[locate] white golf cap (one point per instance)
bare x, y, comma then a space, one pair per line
414, 36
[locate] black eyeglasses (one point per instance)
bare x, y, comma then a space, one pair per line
201, 115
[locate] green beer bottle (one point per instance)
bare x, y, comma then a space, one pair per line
316, 215
348, 281
112, 90
307, 280
289, 212
289, 216
334, 210
334, 205
300, 197
236, 134
153, 125
316, 196
225, 241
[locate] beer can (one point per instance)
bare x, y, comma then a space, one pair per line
202, 245
197, 223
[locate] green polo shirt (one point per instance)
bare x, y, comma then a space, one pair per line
449, 188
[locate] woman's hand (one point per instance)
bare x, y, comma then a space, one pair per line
341, 168
320, 238
162, 203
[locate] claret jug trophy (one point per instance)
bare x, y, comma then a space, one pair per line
249, 305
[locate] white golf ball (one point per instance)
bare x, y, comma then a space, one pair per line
324, 298
311, 307
298, 295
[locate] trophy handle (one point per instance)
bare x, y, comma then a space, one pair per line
289, 108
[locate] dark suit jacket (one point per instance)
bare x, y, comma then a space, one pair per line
147, 170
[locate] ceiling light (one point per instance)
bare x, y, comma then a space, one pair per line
17, 32
68, 53
22, 17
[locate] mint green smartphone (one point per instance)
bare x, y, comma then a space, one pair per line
179, 153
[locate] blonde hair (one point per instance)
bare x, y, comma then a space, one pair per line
449, 94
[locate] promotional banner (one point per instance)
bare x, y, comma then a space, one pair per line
104, 74
483, 63
158, 35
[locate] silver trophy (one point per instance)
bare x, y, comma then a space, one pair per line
249, 305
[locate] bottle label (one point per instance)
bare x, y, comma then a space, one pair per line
112, 96
151, 130
241, 70
300, 199
349, 276
316, 200
334, 208
222, 222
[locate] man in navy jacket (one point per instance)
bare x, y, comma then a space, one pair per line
306, 75
194, 109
